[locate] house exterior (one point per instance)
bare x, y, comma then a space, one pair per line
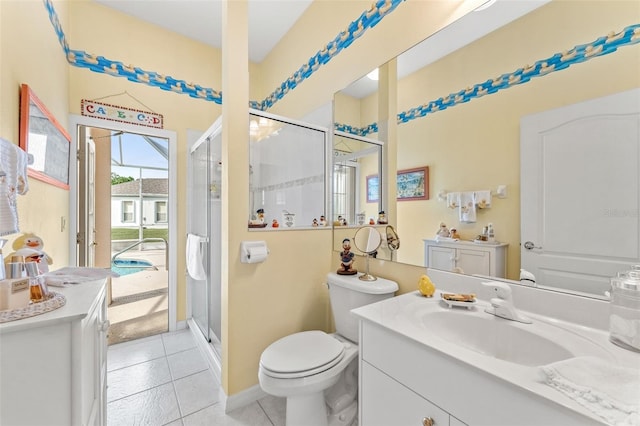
127, 199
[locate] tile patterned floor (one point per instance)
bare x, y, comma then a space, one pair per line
165, 380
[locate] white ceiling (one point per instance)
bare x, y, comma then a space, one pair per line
269, 21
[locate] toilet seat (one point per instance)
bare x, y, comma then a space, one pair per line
301, 354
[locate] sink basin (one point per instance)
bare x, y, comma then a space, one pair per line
534, 344
496, 337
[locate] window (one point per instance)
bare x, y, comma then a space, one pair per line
128, 211
161, 211
344, 187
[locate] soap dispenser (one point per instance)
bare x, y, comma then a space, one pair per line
624, 319
37, 285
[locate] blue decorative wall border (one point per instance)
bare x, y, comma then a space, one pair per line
581, 53
354, 30
368, 19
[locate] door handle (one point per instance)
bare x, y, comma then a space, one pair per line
529, 245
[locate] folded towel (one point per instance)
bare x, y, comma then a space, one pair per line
194, 257
483, 199
610, 391
467, 210
63, 277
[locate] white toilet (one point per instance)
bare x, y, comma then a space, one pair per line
318, 372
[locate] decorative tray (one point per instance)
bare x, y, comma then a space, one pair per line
55, 301
257, 225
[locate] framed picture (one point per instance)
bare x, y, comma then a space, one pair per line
373, 189
45, 140
413, 184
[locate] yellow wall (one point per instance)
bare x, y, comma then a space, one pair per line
31, 54
475, 146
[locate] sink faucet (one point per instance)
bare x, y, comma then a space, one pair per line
502, 304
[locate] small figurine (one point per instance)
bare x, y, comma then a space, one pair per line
371, 221
443, 231
260, 213
382, 218
31, 247
346, 259
323, 221
340, 221
343, 222
275, 223
314, 223
454, 233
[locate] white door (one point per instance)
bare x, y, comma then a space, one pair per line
580, 192
91, 204
86, 233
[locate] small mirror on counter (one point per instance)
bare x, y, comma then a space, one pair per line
367, 240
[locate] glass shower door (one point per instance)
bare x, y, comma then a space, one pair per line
199, 224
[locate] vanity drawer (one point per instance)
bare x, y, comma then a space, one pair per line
387, 402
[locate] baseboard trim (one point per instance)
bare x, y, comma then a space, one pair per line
237, 400
244, 398
214, 361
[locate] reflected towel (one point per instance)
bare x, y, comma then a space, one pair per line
609, 391
483, 199
467, 211
194, 257
453, 200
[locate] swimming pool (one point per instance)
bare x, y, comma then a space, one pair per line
116, 266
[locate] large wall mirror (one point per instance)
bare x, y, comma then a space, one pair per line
288, 173
475, 145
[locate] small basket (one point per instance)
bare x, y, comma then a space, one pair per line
55, 301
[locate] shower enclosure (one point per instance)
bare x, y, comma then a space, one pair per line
290, 173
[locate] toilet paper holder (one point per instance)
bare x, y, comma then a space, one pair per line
253, 251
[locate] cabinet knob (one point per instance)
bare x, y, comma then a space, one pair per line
105, 326
428, 421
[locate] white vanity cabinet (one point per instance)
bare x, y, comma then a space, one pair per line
53, 366
403, 382
472, 258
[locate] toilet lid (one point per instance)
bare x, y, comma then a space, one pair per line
308, 352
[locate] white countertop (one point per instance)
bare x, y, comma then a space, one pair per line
395, 314
80, 301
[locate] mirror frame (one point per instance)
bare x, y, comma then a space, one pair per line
57, 135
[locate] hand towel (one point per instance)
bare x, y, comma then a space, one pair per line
194, 257
610, 391
467, 210
13, 182
483, 199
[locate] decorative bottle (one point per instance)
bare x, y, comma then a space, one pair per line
490, 235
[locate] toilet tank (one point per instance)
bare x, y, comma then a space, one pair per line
347, 292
